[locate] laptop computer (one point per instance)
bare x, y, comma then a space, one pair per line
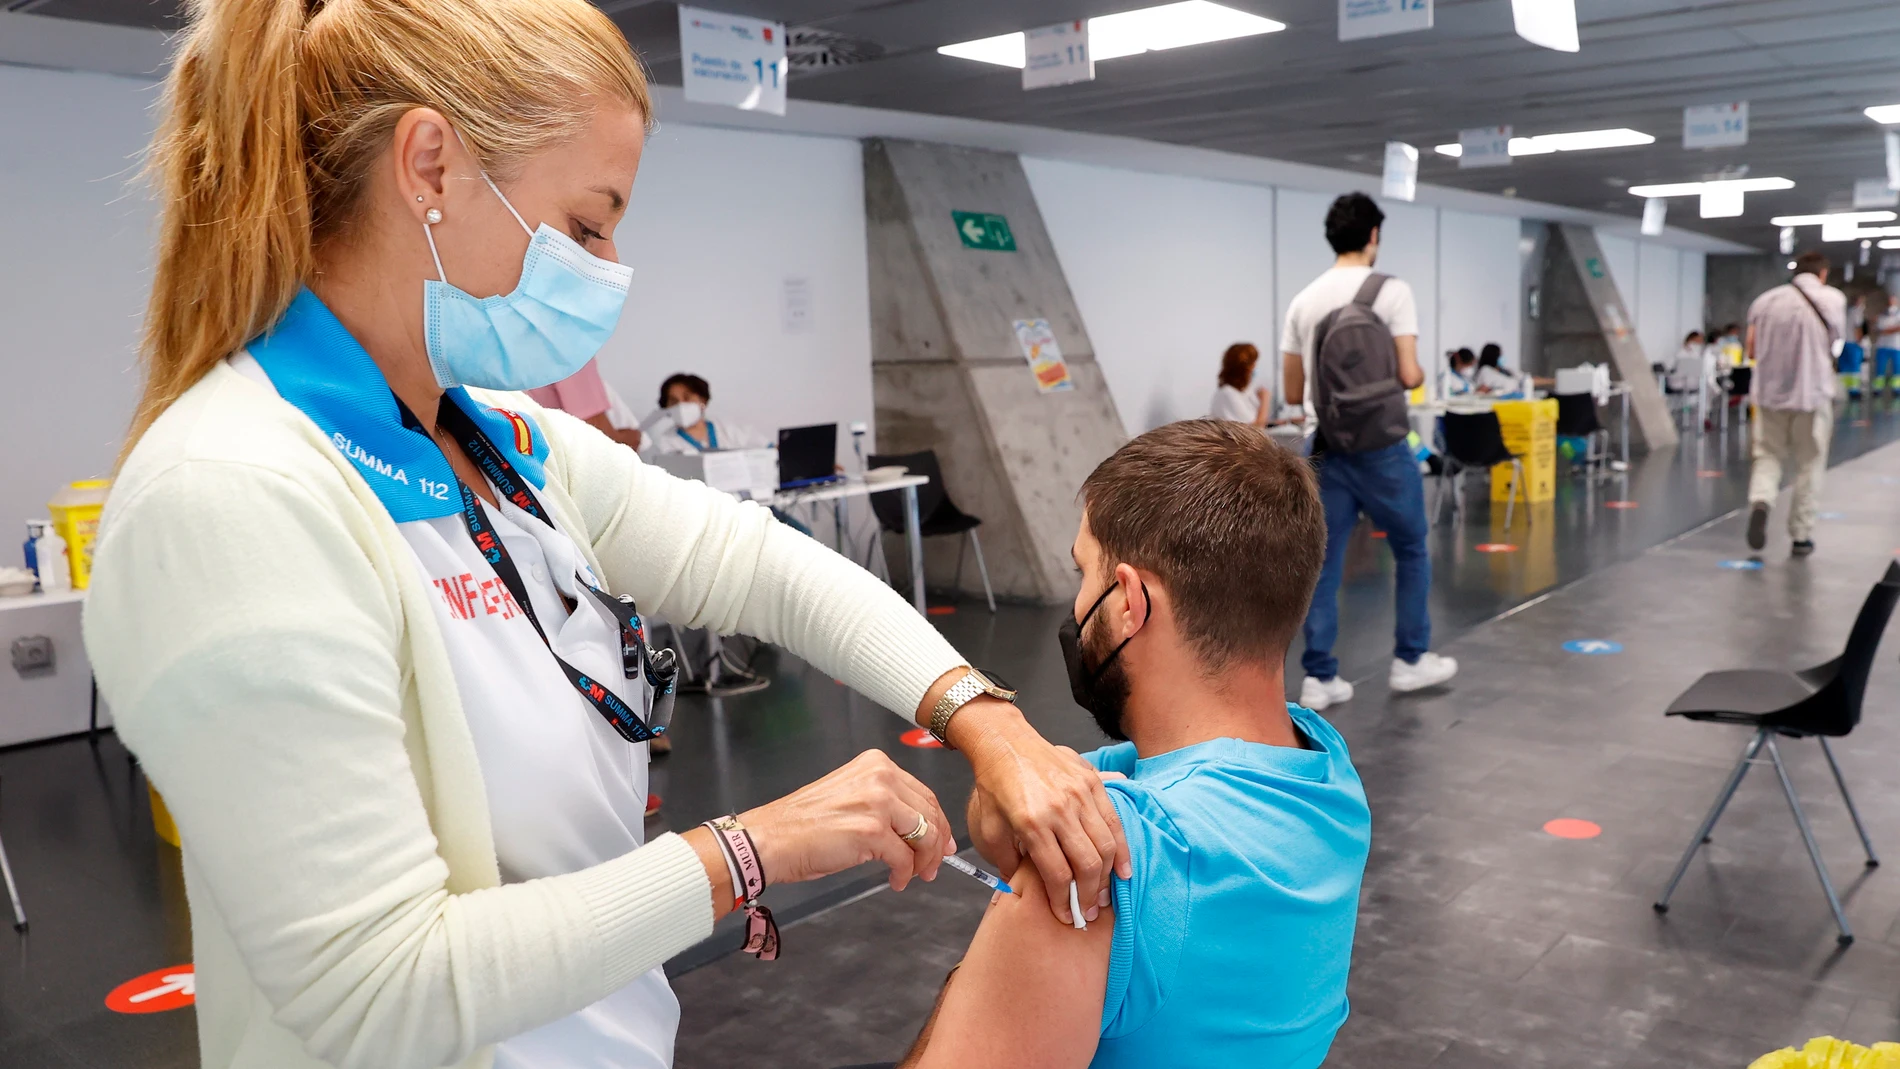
807, 455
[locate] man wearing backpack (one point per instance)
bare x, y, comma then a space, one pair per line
1358, 331
1792, 331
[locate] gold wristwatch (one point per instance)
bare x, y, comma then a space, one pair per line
960, 694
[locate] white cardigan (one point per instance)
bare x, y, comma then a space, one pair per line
270, 653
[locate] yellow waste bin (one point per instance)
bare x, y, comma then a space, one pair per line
1530, 431
76, 510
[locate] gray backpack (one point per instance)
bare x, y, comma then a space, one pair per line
1356, 389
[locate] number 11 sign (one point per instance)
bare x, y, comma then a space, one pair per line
733, 60
1057, 55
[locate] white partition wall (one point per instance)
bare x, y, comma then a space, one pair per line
1619, 259
1656, 302
1478, 288
1168, 272
77, 234
722, 222
1408, 249
1691, 291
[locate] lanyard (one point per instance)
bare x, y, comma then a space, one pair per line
712, 438
658, 666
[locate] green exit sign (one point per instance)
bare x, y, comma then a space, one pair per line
1595, 267
984, 230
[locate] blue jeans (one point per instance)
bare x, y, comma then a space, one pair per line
1385, 485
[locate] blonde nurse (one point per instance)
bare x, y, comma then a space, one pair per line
359, 603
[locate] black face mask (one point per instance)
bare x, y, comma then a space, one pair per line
1102, 689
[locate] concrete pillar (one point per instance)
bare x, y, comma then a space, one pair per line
948, 373
1586, 319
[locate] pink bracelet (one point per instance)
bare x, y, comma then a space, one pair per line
761, 931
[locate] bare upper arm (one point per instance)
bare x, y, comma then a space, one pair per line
1029, 991
1410, 374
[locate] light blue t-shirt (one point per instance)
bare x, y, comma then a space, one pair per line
1233, 938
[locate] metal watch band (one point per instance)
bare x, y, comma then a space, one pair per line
960, 694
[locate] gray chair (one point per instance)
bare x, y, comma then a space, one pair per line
938, 515
1816, 703
13, 891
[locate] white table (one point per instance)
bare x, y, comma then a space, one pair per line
44, 704
854, 486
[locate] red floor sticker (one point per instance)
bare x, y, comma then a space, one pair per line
1378, 534
1572, 828
1620, 504
941, 610
1495, 547
1711, 473
156, 991
921, 739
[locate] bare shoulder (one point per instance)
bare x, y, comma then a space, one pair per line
1029, 992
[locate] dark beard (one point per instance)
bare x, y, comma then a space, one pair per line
1109, 689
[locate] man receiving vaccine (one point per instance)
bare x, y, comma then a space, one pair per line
1247, 826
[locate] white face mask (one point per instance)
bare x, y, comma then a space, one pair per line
686, 413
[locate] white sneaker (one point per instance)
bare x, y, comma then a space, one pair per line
1317, 695
1430, 671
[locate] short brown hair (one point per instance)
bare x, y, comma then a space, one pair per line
1236, 365
1812, 262
688, 380
1227, 520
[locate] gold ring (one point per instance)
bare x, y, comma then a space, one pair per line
922, 829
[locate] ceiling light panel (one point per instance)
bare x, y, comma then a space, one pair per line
1884, 113
1696, 189
1130, 33
1823, 220
1580, 141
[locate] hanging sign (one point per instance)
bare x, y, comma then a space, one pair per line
1044, 355
1401, 171
1655, 210
1377, 18
734, 60
1484, 146
1875, 193
984, 230
1893, 159
1715, 125
1057, 55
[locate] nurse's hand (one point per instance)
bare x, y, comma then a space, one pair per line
1051, 801
856, 814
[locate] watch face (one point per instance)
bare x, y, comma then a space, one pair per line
994, 680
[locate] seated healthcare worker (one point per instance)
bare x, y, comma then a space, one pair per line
687, 428
1232, 399
1199, 547
352, 598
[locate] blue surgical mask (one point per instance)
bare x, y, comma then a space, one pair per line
559, 315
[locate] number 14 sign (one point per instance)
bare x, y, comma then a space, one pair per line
733, 60
1377, 18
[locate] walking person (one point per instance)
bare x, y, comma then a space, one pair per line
1358, 330
1791, 334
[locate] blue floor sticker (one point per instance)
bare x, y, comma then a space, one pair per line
1742, 565
1592, 645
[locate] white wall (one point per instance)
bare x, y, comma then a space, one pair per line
1478, 286
719, 220
1662, 287
1691, 291
1619, 259
75, 267
1167, 272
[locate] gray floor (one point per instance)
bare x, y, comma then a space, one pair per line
1484, 941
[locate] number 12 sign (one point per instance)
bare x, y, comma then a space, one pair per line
733, 60
1377, 18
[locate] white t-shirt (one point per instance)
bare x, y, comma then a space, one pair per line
1495, 380
1229, 403
1887, 330
565, 791
1332, 290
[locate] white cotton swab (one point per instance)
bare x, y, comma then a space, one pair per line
1075, 909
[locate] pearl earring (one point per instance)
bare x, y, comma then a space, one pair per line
433, 215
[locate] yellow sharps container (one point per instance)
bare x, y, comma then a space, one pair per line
76, 510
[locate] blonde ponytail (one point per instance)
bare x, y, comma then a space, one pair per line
276, 112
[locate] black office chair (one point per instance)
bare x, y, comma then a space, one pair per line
1815, 702
1577, 418
13, 892
938, 514
1476, 440
1740, 381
